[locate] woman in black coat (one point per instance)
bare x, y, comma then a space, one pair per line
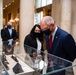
34, 40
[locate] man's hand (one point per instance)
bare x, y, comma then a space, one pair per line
10, 40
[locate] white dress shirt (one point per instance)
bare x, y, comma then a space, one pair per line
10, 31
53, 34
39, 45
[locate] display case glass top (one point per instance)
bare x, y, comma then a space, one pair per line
32, 62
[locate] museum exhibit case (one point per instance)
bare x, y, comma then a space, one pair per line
3, 70
32, 62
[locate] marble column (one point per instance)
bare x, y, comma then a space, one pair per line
56, 11
1, 22
26, 20
74, 19
61, 12
66, 15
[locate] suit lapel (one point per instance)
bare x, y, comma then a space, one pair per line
56, 38
55, 41
8, 32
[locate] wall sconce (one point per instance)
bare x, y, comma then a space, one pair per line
16, 23
12, 20
16, 19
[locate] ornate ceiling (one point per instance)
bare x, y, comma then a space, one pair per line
7, 2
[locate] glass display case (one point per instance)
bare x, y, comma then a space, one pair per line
48, 64
3, 70
32, 62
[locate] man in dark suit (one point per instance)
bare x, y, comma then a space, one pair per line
2, 30
63, 44
9, 35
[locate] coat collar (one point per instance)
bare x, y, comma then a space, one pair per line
56, 38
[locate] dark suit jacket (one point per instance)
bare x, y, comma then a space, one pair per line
63, 45
6, 35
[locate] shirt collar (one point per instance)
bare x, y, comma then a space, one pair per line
53, 34
10, 29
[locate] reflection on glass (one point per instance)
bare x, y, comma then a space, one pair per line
48, 64
3, 70
31, 63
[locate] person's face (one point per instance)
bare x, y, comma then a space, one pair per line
47, 29
5, 27
34, 54
9, 25
37, 30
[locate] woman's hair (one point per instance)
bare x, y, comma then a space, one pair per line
41, 33
33, 29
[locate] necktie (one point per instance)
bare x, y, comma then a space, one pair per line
50, 41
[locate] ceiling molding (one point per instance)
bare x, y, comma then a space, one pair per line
6, 2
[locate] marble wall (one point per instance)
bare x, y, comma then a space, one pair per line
26, 20
1, 22
64, 14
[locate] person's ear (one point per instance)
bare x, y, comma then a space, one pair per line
54, 22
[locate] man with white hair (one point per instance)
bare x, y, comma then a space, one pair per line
58, 41
9, 35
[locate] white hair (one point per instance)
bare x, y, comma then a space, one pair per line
49, 20
9, 23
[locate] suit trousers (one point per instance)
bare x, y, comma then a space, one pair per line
8, 49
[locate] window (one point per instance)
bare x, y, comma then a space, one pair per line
41, 3
38, 17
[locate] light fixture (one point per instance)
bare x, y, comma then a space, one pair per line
3, 8
16, 19
13, 1
12, 20
6, 6
9, 4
